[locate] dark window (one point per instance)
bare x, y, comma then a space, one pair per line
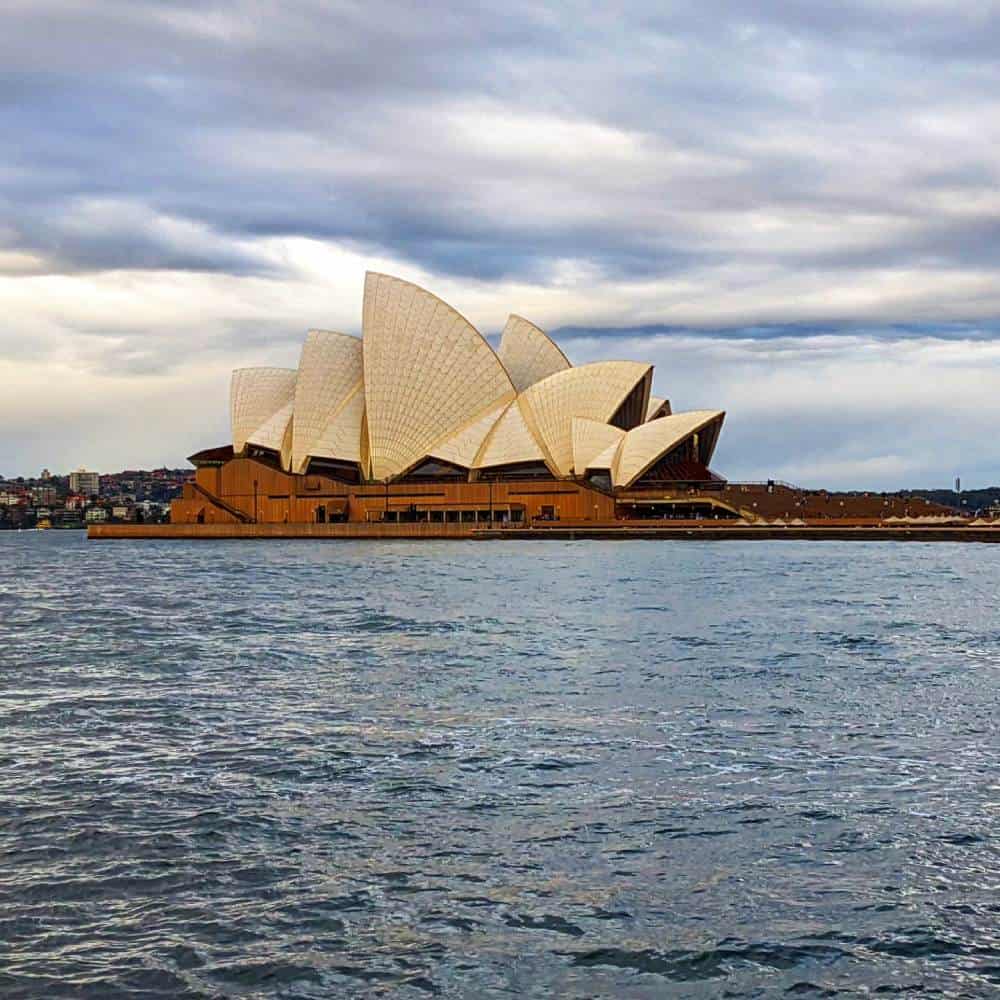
345, 472
522, 470
436, 469
632, 411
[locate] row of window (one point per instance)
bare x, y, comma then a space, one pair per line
477, 516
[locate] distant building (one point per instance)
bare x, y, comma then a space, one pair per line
148, 511
62, 518
87, 483
95, 514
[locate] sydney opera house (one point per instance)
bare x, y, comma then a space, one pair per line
421, 420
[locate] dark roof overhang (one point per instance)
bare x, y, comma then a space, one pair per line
212, 456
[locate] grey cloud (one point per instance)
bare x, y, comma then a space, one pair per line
761, 336
845, 411
770, 180
199, 111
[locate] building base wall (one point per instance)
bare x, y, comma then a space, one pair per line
248, 490
619, 530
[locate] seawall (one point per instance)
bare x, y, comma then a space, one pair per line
682, 531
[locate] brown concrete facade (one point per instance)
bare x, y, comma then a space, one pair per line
248, 490
252, 498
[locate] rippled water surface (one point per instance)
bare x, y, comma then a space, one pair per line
512, 769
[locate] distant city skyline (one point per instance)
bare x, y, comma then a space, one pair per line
792, 212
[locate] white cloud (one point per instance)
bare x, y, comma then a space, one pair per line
844, 412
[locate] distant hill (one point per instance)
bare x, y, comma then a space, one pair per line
969, 501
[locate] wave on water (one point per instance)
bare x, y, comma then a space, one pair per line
533, 770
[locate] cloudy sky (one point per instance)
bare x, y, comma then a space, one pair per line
793, 209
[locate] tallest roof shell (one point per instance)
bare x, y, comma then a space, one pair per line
427, 370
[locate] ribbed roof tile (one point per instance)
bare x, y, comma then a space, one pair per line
428, 372
594, 442
255, 396
528, 353
510, 442
646, 444
330, 374
593, 391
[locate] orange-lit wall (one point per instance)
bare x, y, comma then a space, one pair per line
270, 496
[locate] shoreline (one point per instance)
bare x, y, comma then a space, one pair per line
690, 531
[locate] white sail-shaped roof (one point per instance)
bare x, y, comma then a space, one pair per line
341, 438
510, 442
286, 443
273, 432
528, 353
462, 447
428, 372
256, 395
606, 459
646, 444
423, 383
594, 444
657, 408
593, 391
330, 372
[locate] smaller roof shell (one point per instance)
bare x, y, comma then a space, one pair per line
330, 373
594, 444
646, 444
340, 439
462, 447
256, 395
606, 459
272, 433
528, 353
657, 408
593, 391
510, 442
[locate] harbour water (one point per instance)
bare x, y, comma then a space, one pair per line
521, 769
